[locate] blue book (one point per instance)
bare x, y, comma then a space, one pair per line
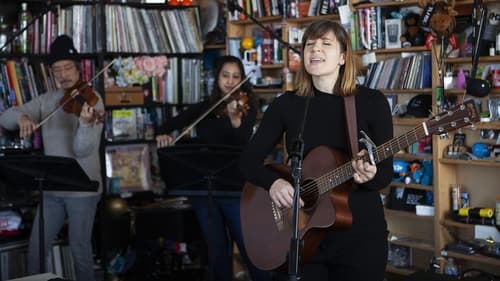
426, 73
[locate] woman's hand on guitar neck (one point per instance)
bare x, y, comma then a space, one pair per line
163, 140
281, 192
363, 170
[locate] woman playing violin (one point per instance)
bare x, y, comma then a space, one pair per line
230, 124
67, 134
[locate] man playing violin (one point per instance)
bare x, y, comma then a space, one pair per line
229, 124
68, 134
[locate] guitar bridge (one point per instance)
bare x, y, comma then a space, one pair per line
277, 216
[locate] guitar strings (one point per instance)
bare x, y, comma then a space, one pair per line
347, 170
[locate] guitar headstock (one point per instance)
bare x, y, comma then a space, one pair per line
454, 118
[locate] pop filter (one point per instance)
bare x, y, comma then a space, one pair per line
209, 15
478, 87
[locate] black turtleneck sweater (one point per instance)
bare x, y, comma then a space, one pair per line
325, 126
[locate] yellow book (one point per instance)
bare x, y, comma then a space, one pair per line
13, 79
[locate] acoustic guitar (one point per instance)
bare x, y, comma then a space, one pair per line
267, 229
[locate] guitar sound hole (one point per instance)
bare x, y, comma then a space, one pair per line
309, 193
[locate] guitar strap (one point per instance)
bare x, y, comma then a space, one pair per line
352, 125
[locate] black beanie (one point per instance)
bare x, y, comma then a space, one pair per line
63, 49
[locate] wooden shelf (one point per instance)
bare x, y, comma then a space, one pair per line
394, 50
407, 214
267, 90
458, 92
261, 19
415, 186
310, 19
287, 20
456, 224
388, 3
410, 157
406, 91
475, 258
482, 163
130, 54
492, 59
488, 125
413, 243
400, 270
272, 66
402, 121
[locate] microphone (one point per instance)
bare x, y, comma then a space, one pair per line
477, 87
232, 6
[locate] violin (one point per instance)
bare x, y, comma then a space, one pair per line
242, 106
216, 105
75, 97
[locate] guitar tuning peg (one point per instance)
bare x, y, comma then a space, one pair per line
444, 136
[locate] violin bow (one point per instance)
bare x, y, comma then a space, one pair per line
73, 95
212, 108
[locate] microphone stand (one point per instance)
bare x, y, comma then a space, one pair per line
233, 6
30, 23
295, 157
295, 241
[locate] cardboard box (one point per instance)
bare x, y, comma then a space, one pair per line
123, 96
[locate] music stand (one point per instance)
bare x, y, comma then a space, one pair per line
188, 169
46, 173
195, 169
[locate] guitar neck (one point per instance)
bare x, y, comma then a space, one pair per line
345, 172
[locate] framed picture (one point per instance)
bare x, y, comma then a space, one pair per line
392, 33
131, 164
391, 100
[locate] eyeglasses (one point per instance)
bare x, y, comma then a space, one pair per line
58, 70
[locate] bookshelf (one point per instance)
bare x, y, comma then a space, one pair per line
13, 256
400, 73
428, 236
280, 68
477, 177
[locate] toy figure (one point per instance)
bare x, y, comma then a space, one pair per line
414, 36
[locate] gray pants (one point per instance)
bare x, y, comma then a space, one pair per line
80, 214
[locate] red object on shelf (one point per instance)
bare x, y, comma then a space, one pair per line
267, 48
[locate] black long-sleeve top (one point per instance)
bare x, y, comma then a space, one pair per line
213, 129
325, 126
